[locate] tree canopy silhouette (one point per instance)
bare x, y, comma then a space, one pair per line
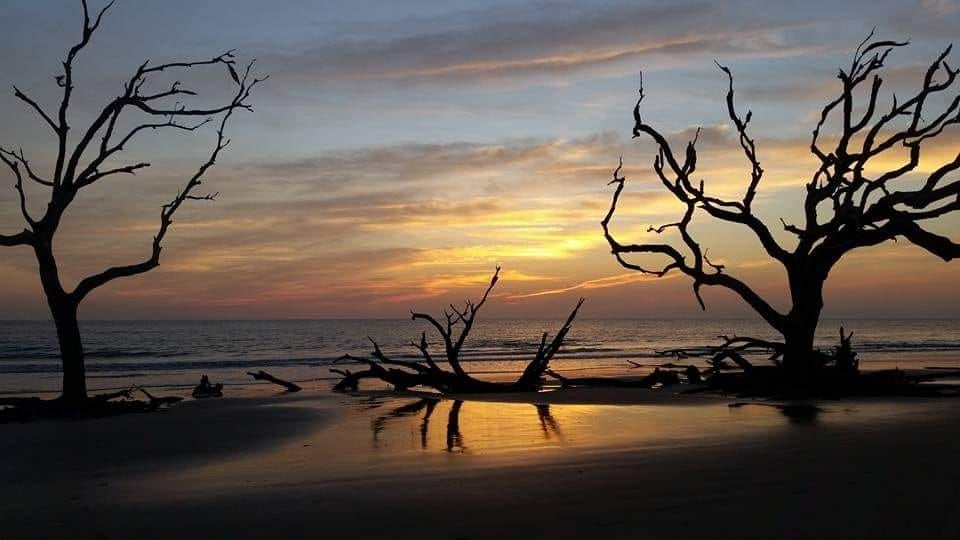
88, 159
851, 200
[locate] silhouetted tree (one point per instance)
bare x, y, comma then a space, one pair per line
456, 326
88, 159
851, 201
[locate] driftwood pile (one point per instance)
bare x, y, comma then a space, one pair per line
453, 331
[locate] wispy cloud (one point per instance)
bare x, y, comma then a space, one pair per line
598, 283
552, 39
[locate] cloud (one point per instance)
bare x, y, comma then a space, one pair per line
367, 231
598, 283
928, 18
553, 39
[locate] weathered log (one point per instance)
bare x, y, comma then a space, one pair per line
18, 409
156, 403
351, 380
667, 365
658, 376
264, 376
103, 398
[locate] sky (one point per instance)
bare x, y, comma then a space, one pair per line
401, 150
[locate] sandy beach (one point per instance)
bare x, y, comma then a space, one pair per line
591, 463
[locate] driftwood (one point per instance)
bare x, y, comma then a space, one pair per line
658, 376
666, 365
157, 402
264, 376
454, 330
100, 405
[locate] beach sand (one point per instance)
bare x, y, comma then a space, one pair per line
597, 463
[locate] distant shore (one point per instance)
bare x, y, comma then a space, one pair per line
575, 465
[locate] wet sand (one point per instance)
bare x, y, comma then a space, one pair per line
615, 463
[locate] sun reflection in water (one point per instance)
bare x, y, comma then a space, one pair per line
512, 425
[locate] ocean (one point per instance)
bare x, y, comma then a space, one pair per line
174, 354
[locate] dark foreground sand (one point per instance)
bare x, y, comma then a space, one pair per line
587, 466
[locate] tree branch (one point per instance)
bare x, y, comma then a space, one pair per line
36, 107
22, 238
85, 286
675, 260
131, 97
18, 185
868, 211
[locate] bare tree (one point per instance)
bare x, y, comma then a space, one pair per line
847, 206
453, 330
86, 161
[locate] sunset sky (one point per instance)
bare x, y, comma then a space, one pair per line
401, 150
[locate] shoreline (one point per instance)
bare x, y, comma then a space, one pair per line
309, 379
360, 466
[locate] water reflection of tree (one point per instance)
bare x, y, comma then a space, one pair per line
454, 436
378, 424
548, 423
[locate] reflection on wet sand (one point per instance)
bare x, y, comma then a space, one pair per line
378, 424
548, 423
454, 437
797, 413
388, 435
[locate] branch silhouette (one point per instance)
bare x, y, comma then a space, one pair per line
81, 165
845, 207
454, 330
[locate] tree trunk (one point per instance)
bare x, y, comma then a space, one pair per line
63, 309
798, 354
71, 352
806, 287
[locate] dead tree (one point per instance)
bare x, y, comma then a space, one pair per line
851, 202
90, 158
454, 330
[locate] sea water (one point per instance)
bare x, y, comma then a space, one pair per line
175, 354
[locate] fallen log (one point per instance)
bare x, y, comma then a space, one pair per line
264, 376
17, 409
156, 403
658, 376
